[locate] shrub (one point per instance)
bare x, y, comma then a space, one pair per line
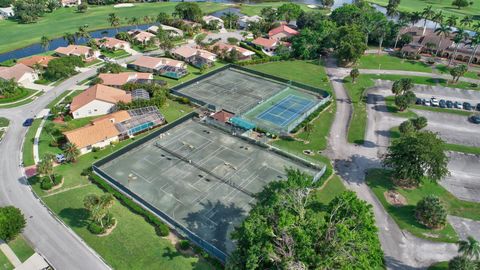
46, 184
474, 85
184, 100
461, 263
95, 228
95, 149
431, 212
406, 127
184, 244
162, 230
12, 222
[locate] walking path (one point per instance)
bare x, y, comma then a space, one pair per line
402, 250
14, 260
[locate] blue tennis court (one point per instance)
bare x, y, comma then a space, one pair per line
285, 111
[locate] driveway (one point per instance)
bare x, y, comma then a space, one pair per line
223, 36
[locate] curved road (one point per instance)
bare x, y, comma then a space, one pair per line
402, 250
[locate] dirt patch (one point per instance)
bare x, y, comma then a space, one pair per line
394, 198
109, 230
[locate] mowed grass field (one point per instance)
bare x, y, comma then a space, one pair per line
14, 35
444, 5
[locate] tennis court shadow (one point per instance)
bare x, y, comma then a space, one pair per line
214, 222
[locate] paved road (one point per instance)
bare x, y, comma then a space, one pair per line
402, 250
62, 248
415, 73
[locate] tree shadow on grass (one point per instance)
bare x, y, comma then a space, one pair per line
75, 217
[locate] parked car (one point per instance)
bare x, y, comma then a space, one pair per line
60, 158
478, 107
449, 104
458, 105
427, 102
388, 50
28, 122
475, 118
418, 101
434, 101
467, 106
442, 103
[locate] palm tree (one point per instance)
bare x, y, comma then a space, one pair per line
427, 14
460, 37
399, 25
45, 166
124, 36
466, 21
82, 32
444, 31
381, 31
71, 152
474, 42
308, 130
45, 42
113, 20
469, 248
134, 21
476, 27
452, 20
147, 19
415, 17
98, 206
438, 18
231, 19
69, 38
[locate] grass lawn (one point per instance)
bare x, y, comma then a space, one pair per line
387, 62
115, 54
4, 262
173, 110
379, 181
255, 9
63, 20
4, 122
28, 144
358, 123
444, 5
22, 102
23, 93
425, 81
439, 266
21, 248
332, 188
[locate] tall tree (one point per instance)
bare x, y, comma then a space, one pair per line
469, 248
392, 7
354, 73
438, 18
351, 45
415, 156
401, 23
230, 19
69, 38
134, 21
82, 32
443, 31
461, 3
327, 3
474, 43
71, 152
98, 206
188, 11
12, 222
45, 42
415, 17
427, 14
289, 11
466, 21
461, 36
269, 14
45, 166
452, 20
114, 21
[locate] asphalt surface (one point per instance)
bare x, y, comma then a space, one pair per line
464, 181
402, 250
49, 237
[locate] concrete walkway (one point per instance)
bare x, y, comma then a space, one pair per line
36, 140
14, 260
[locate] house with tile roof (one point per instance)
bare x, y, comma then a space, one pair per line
113, 127
194, 56
112, 44
245, 21
244, 54
282, 32
172, 31
210, 18
141, 36
41, 60
167, 67
98, 100
20, 73
86, 53
268, 45
119, 79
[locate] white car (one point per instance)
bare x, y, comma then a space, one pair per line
60, 158
427, 103
434, 102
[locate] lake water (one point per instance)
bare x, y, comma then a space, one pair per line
59, 42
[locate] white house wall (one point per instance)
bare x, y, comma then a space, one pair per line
94, 108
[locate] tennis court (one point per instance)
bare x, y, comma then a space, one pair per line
201, 177
233, 90
287, 110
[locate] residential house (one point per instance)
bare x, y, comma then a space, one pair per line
161, 66
268, 45
87, 53
226, 48
70, 3
282, 32
119, 79
6, 12
245, 21
112, 44
98, 100
194, 56
20, 73
210, 18
172, 31
36, 60
113, 127
141, 36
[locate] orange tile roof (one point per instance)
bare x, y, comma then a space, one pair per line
282, 29
111, 42
100, 92
141, 36
223, 116
73, 50
37, 59
122, 78
265, 42
187, 51
118, 117
229, 47
155, 62
16, 72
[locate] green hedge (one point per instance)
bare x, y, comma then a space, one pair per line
259, 61
253, 49
160, 227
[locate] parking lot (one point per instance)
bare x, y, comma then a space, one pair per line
464, 181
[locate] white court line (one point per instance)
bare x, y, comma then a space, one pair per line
140, 176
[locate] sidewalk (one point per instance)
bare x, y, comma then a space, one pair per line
9, 254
